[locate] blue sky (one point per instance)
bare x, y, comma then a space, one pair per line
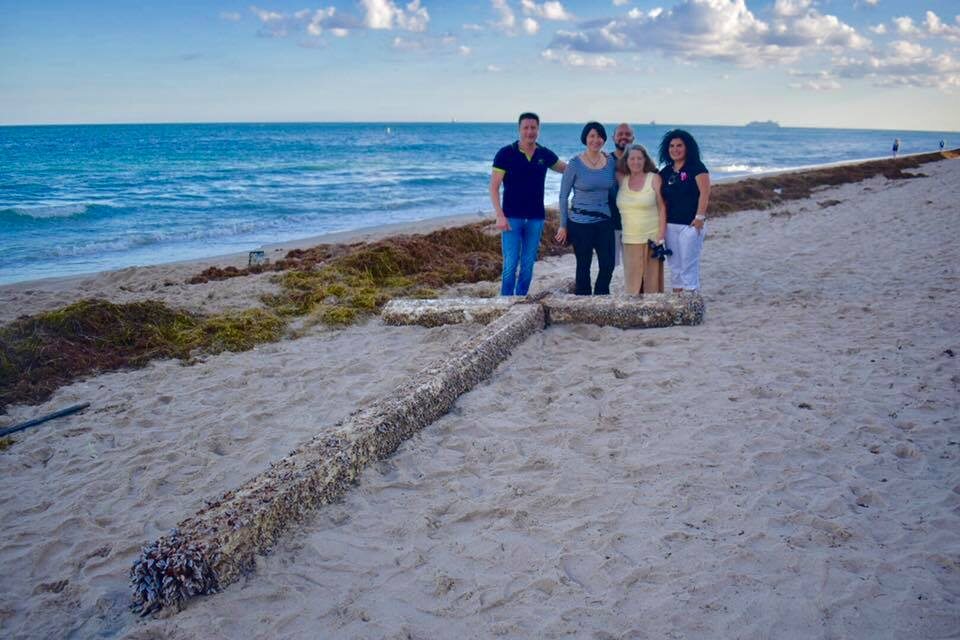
847, 63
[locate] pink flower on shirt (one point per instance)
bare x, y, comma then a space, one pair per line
683, 176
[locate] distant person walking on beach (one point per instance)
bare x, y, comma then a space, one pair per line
686, 192
588, 224
896, 146
941, 145
521, 168
644, 221
622, 138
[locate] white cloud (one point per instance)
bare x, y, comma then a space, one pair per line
818, 81
620, 3
507, 20
817, 85
879, 29
872, 3
720, 29
464, 50
385, 14
266, 16
724, 30
405, 44
508, 23
273, 24
492, 68
379, 14
816, 29
573, 59
936, 27
902, 64
472, 27
230, 16
552, 10
905, 26
319, 21
789, 8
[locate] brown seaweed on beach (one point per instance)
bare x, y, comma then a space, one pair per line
474, 248
295, 259
763, 193
40, 353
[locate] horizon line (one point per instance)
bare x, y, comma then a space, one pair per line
426, 122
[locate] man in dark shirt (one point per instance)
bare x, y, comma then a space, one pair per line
521, 168
622, 138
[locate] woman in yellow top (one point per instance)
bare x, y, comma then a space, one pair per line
644, 218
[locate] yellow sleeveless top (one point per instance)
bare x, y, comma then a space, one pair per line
638, 212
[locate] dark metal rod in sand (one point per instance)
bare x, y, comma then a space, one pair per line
42, 419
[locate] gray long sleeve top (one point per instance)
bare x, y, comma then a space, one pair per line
591, 190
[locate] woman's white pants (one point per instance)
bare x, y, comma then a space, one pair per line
687, 244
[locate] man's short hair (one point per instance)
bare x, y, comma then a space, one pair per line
528, 115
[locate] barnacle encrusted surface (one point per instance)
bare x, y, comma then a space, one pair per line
433, 313
626, 312
215, 546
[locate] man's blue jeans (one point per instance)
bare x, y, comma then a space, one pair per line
519, 246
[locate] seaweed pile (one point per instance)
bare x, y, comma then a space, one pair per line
766, 192
465, 247
42, 352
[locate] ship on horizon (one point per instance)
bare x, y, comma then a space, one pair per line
764, 124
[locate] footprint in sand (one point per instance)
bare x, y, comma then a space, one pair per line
906, 450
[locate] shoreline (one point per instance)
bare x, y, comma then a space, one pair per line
369, 234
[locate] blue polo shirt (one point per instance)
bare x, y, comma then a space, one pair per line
523, 179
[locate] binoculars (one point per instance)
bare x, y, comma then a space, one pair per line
659, 251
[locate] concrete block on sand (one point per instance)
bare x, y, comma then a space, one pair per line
626, 312
433, 313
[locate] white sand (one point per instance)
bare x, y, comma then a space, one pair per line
786, 470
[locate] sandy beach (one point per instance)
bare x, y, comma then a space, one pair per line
788, 469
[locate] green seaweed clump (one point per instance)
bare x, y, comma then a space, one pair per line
236, 332
6, 442
42, 352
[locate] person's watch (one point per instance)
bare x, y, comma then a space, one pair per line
700, 217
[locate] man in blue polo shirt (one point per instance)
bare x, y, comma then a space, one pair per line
522, 170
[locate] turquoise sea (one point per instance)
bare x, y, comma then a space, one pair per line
80, 199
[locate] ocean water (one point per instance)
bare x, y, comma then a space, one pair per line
80, 199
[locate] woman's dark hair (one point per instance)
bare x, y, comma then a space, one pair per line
648, 166
593, 126
693, 149
528, 115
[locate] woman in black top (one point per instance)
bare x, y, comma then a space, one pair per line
686, 191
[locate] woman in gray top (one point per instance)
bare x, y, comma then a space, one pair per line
587, 223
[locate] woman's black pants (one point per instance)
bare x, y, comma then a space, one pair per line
587, 238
